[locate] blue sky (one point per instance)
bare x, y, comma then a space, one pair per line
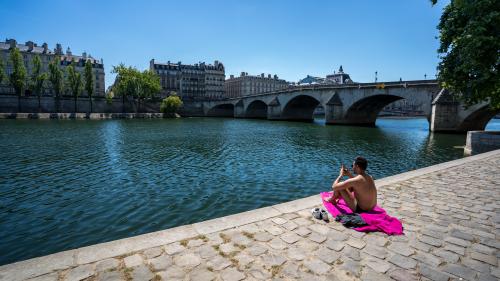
284, 37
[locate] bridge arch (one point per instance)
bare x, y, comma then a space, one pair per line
477, 119
300, 108
256, 109
365, 111
221, 110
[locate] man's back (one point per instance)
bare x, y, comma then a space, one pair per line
365, 192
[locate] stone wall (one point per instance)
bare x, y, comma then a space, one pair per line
481, 141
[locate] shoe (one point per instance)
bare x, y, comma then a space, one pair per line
324, 215
316, 213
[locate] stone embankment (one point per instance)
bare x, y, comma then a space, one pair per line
450, 213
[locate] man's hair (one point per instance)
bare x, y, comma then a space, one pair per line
361, 162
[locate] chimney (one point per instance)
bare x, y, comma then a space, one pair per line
30, 45
84, 55
275, 76
269, 76
262, 75
68, 52
12, 43
242, 74
231, 76
58, 49
45, 48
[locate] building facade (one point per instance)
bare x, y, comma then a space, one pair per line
30, 49
338, 77
200, 81
247, 85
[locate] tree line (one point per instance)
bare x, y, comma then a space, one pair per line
74, 82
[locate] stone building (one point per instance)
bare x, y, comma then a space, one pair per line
30, 49
339, 77
247, 85
200, 81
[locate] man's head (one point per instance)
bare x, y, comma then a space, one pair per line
359, 165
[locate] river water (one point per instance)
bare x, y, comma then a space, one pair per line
70, 183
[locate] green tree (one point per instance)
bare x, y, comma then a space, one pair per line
469, 50
89, 81
133, 83
74, 83
37, 79
56, 79
18, 75
171, 104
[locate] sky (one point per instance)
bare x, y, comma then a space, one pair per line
293, 39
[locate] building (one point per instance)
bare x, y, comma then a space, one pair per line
338, 77
191, 82
247, 85
30, 49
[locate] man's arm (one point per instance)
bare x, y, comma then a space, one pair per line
338, 186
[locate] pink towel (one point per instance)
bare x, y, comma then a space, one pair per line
377, 219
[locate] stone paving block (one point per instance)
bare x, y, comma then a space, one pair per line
454, 248
475, 265
141, 273
108, 276
187, 260
174, 248
47, 277
133, 260
351, 252
378, 265
337, 235
351, 266
356, 243
402, 261
244, 259
460, 271
161, 263
271, 259
327, 255
195, 243
403, 275
202, 274
401, 248
80, 272
371, 275
297, 254
317, 266
485, 258
263, 236
279, 221
290, 237
256, 250
433, 273
375, 240
106, 264
303, 231
461, 235
277, 244
316, 237
206, 251
227, 248
447, 256
321, 229
259, 272
152, 252
430, 240
487, 277
290, 225
335, 245
302, 221
275, 230
483, 249
290, 270
428, 258
375, 251
172, 272
218, 263
232, 274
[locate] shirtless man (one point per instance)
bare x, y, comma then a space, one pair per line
359, 191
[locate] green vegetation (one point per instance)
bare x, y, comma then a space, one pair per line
469, 50
56, 79
74, 81
171, 104
2, 73
37, 80
130, 82
89, 82
18, 75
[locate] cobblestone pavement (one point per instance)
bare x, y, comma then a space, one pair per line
451, 219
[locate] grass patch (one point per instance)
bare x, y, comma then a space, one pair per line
184, 242
157, 277
241, 247
275, 269
248, 234
225, 238
209, 268
202, 237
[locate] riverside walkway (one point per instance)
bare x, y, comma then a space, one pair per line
450, 213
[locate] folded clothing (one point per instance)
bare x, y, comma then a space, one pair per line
351, 220
376, 219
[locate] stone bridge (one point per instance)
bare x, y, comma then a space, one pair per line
355, 104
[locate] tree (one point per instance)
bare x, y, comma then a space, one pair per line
132, 82
469, 50
37, 79
89, 81
74, 82
56, 79
18, 75
171, 104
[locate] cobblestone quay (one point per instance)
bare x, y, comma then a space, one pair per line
450, 213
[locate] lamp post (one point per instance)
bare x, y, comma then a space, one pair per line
376, 72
